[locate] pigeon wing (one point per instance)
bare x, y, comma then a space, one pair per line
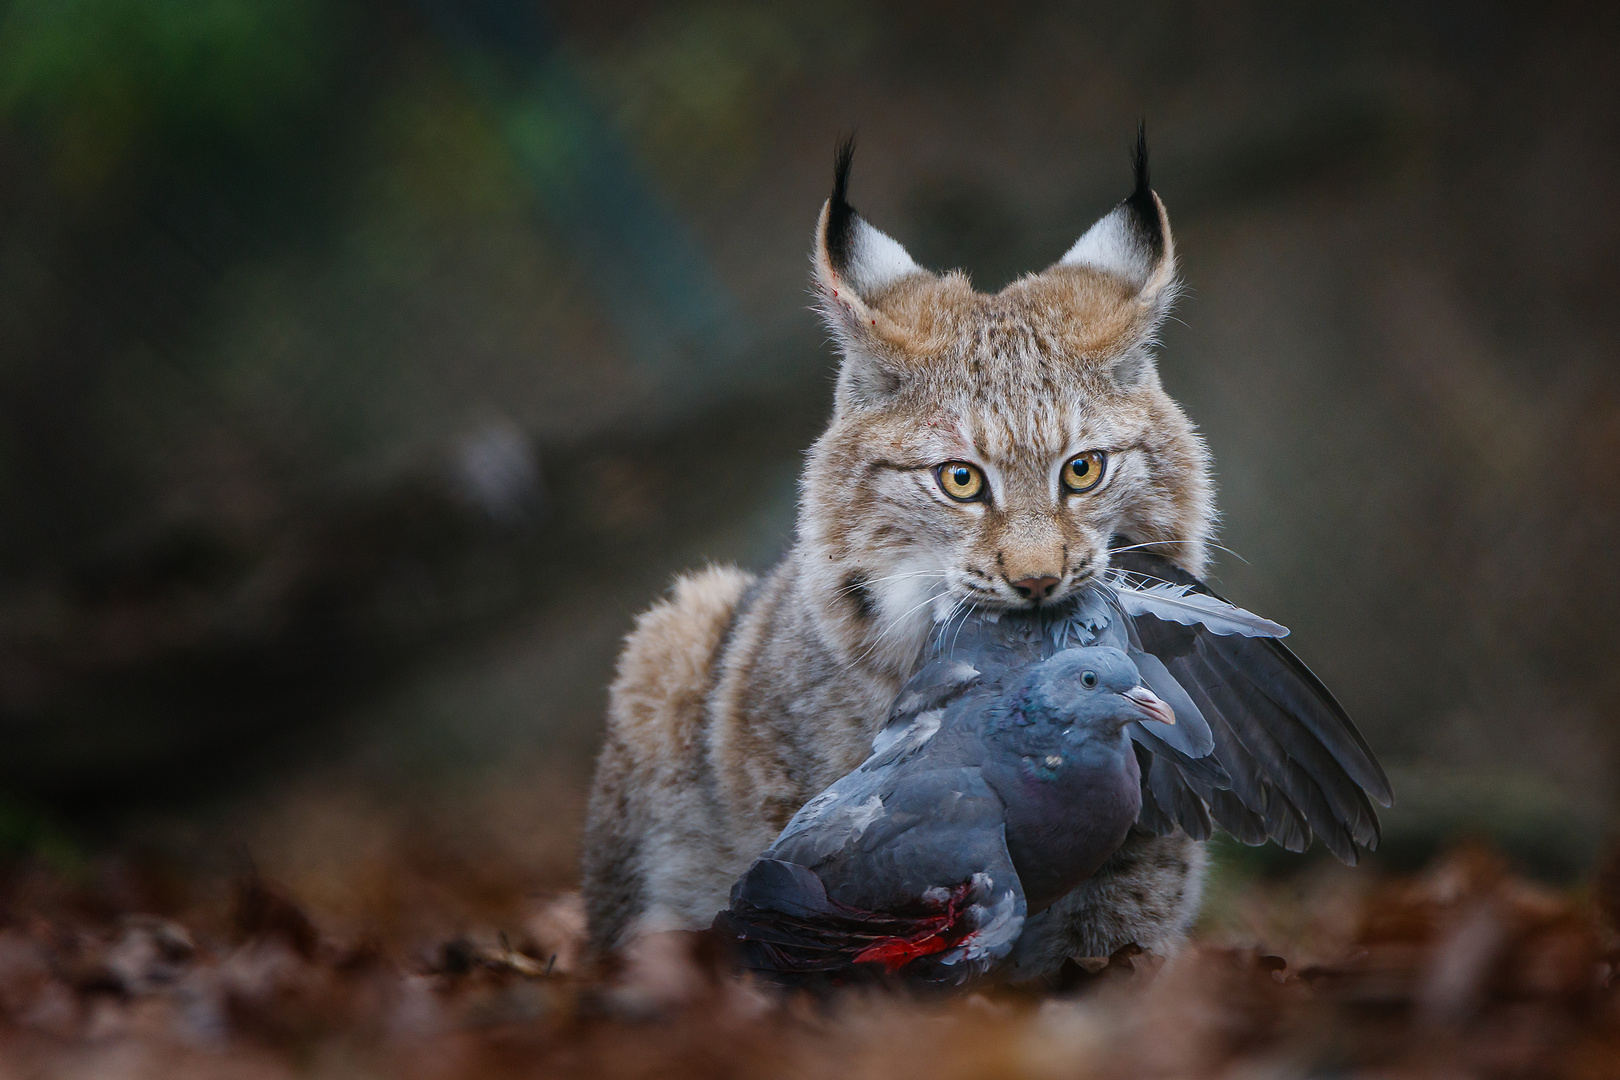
943, 834
919, 880
1296, 764
905, 832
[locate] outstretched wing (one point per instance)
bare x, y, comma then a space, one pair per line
1296, 764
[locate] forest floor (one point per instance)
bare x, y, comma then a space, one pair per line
345, 938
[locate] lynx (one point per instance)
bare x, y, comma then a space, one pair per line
984, 449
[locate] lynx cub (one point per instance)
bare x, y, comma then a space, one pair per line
983, 449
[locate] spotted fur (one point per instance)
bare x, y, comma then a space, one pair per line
729, 713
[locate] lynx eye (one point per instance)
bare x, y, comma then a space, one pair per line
1084, 471
961, 481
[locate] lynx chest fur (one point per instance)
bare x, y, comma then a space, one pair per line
983, 450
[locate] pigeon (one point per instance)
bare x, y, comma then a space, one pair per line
1261, 749
931, 854
860, 882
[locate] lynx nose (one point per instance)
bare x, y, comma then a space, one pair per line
1036, 588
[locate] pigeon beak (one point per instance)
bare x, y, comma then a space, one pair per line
1152, 705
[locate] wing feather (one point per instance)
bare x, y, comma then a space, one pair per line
1295, 764
1152, 816
1255, 721
1172, 792
1181, 603
1319, 767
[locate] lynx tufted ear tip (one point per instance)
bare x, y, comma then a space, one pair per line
1132, 241
841, 215
1144, 205
849, 252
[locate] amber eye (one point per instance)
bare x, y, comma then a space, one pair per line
961, 481
1084, 471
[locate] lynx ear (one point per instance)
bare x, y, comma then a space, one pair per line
1132, 241
853, 262
850, 254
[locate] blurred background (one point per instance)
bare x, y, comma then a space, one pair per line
365, 365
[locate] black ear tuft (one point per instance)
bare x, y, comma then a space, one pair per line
1144, 208
841, 215
1144, 183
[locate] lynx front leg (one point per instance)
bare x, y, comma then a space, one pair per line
1147, 894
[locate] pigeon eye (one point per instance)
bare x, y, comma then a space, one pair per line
1088, 679
1084, 471
961, 481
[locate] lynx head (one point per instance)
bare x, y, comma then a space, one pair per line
984, 449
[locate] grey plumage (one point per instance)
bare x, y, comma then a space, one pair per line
1259, 748
976, 813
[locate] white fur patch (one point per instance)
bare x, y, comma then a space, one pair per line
876, 259
907, 604
1112, 245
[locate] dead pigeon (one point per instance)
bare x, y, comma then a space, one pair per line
931, 854
1260, 748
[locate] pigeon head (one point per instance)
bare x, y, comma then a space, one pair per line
1095, 690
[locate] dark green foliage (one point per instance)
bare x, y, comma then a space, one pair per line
100, 79
28, 833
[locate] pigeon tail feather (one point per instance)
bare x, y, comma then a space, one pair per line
783, 922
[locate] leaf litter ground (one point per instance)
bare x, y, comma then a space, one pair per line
349, 940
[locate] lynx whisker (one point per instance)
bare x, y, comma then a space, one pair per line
867, 582
1159, 543
967, 609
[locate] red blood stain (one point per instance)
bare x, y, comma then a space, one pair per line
934, 934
